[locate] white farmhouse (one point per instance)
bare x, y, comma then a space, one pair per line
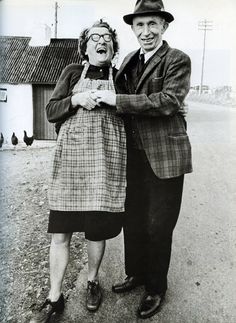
28, 75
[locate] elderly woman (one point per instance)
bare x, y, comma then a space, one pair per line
88, 180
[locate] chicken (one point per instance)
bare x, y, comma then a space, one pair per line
14, 139
1, 140
28, 140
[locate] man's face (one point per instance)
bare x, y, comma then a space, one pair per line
148, 30
99, 49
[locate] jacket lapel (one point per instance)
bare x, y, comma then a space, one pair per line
154, 61
126, 61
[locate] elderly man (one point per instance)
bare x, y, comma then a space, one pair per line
152, 83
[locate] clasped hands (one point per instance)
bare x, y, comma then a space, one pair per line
90, 99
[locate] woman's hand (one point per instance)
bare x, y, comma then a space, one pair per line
105, 96
85, 99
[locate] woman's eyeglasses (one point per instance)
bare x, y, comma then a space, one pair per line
96, 37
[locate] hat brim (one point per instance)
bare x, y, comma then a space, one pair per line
164, 14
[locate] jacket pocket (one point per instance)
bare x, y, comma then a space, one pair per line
180, 148
155, 85
179, 142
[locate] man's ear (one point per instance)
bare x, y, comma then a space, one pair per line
164, 27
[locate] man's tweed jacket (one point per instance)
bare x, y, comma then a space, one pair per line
154, 107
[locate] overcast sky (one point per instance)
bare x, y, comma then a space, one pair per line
26, 17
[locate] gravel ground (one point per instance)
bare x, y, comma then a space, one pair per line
202, 276
24, 240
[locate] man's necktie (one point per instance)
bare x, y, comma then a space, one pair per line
140, 63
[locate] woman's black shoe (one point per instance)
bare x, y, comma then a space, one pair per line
129, 284
48, 308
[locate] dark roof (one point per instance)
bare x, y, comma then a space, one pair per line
22, 63
18, 59
55, 57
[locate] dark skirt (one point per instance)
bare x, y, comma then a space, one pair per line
97, 225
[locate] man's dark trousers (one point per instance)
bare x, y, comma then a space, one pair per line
152, 210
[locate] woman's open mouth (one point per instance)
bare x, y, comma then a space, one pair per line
101, 50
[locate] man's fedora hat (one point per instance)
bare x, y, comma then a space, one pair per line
148, 7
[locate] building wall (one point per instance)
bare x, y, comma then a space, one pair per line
43, 130
17, 113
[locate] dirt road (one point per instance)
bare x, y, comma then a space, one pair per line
202, 277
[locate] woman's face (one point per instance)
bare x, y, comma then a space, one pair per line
99, 46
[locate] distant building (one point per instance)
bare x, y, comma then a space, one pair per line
28, 75
205, 88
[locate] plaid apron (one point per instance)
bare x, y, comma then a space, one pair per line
89, 164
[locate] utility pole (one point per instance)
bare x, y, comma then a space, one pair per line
204, 25
56, 21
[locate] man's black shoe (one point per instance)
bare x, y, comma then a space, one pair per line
48, 308
150, 305
129, 284
94, 296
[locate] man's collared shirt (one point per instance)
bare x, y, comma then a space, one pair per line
149, 54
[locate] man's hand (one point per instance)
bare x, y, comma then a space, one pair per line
85, 99
105, 96
183, 110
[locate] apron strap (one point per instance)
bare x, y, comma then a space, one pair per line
83, 76
85, 70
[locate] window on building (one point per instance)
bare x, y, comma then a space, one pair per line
3, 95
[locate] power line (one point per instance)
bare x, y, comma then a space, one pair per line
204, 25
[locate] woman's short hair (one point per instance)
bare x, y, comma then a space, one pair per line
83, 38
